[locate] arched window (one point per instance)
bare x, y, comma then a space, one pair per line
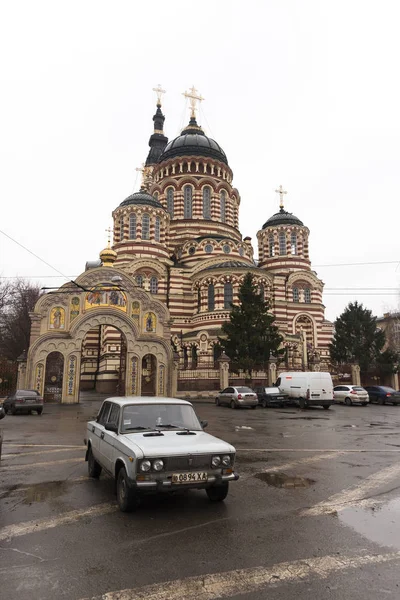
211, 297
194, 357
228, 295
262, 292
170, 201
271, 245
157, 229
155, 195
132, 227
153, 285
198, 300
282, 243
307, 295
187, 202
145, 227
206, 203
295, 294
139, 280
222, 199
293, 243
121, 228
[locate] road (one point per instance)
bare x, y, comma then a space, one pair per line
315, 513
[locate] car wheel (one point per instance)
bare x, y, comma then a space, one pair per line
264, 403
302, 403
218, 493
364, 403
13, 410
327, 406
381, 401
126, 496
253, 407
94, 469
217, 401
39, 411
348, 402
232, 404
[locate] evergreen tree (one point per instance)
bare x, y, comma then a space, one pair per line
250, 336
358, 339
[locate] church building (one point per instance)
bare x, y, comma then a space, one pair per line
145, 318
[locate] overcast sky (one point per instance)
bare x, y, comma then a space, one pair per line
300, 93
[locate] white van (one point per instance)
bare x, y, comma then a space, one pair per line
307, 388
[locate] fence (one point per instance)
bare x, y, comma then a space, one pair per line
202, 379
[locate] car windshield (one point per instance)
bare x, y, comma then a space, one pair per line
244, 390
272, 390
139, 417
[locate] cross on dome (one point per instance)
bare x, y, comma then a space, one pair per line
281, 193
159, 91
194, 97
109, 231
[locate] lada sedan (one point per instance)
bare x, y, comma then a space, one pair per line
151, 445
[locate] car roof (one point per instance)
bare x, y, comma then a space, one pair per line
124, 400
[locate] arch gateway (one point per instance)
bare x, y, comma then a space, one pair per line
101, 333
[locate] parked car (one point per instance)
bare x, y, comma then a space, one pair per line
236, 397
350, 394
24, 401
382, 394
151, 445
271, 396
2, 412
312, 388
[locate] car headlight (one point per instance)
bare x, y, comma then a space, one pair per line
215, 461
158, 464
226, 460
145, 466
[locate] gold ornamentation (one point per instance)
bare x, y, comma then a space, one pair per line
159, 91
194, 97
281, 193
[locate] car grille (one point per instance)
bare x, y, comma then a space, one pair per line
182, 463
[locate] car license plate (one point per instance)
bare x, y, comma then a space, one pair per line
29, 401
189, 477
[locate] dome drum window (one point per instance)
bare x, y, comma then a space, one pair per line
187, 202
211, 297
153, 285
121, 228
157, 229
223, 206
170, 201
206, 203
132, 227
282, 244
145, 227
271, 245
228, 295
293, 243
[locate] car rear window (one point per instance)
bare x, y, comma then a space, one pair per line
244, 390
357, 388
26, 393
387, 389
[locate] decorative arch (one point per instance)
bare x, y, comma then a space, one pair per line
306, 322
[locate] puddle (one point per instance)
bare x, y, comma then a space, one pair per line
42, 492
380, 524
281, 480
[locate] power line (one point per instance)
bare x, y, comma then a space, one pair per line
383, 262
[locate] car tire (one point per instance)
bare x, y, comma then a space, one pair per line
39, 411
302, 403
13, 410
253, 407
127, 497
327, 406
264, 403
218, 493
232, 404
94, 469
217, 401
364, 403
348, 402
381, 401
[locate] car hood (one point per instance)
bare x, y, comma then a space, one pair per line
173, 444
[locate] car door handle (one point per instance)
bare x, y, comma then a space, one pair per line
102, 435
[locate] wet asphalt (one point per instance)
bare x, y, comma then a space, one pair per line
314, 485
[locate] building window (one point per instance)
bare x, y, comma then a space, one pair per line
223, 206
145, 227
293, 243
132, 227
155, 195
121, 228
271, 245
187, 202
228, 295
262, 292
206, 203
226, 248
170, 202
295, 294
139, 280
211, 297
282, 243
307, 295
208, 248
157, 229
153, 285
198, 300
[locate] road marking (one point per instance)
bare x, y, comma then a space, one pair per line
247, 581
299, 450
357, 494
41, 464
42, 445
304, 461
12, 531
34, 452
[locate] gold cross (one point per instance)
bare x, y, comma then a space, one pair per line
159, 91
193, 96
281, 193
142, 171
109, 232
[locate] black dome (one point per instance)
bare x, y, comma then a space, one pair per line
282, 218
141, 197
193, 141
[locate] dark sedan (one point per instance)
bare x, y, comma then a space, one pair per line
382, 394
24, 401
271, 396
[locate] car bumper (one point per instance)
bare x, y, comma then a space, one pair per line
250, 402
28, 406
316, 402
168, 486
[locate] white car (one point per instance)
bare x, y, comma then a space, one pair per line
151, 445
350, 394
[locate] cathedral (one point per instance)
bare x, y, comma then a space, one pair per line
145, 318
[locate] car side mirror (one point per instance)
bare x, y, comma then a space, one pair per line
111, 427
203, 424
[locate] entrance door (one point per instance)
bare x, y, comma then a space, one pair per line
54, 377
149, 369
